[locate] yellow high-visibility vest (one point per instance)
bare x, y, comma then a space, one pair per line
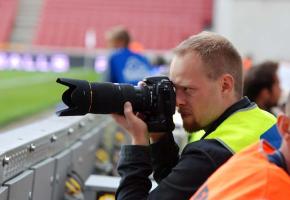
241, 129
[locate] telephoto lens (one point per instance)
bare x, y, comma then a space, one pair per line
155, 99
84, 97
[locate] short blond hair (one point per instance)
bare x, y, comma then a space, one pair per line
217, 53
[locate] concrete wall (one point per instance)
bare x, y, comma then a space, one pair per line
257, 27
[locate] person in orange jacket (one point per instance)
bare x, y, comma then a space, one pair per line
258, 172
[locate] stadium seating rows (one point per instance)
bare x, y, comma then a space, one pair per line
157, 24
8, 13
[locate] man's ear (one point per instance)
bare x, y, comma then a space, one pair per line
227, 84
283, 124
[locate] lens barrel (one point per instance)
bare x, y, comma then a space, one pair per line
84, 97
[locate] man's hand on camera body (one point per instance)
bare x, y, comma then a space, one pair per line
135, 126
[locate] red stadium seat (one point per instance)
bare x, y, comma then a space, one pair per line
155, 24
8, 14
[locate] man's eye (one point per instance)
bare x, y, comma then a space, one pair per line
189, 90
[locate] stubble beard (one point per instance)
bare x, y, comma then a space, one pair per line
191, 126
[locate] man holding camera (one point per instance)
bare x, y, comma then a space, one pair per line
207, 74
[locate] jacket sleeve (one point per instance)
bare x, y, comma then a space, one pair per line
165, 155
134, 168
194, 167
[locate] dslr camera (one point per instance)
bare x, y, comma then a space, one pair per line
155, 100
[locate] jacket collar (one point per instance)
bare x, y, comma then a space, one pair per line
241, 104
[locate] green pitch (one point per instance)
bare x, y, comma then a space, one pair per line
23, 94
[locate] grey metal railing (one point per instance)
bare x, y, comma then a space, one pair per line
35, 159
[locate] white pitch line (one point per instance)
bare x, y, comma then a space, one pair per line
23, 81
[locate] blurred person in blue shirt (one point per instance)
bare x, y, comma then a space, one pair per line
124, 65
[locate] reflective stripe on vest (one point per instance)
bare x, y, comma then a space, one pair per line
242, 128
193, 137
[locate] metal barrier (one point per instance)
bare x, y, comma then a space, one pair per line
37, 158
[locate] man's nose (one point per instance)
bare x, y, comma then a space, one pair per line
180, 100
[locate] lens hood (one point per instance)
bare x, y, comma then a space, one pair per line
77, 97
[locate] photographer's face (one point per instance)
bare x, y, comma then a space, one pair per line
198, 98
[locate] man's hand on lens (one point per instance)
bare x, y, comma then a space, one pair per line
135, 126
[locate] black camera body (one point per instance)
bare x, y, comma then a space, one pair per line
155, 100
162, 105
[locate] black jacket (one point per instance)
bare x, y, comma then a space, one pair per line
178, 177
